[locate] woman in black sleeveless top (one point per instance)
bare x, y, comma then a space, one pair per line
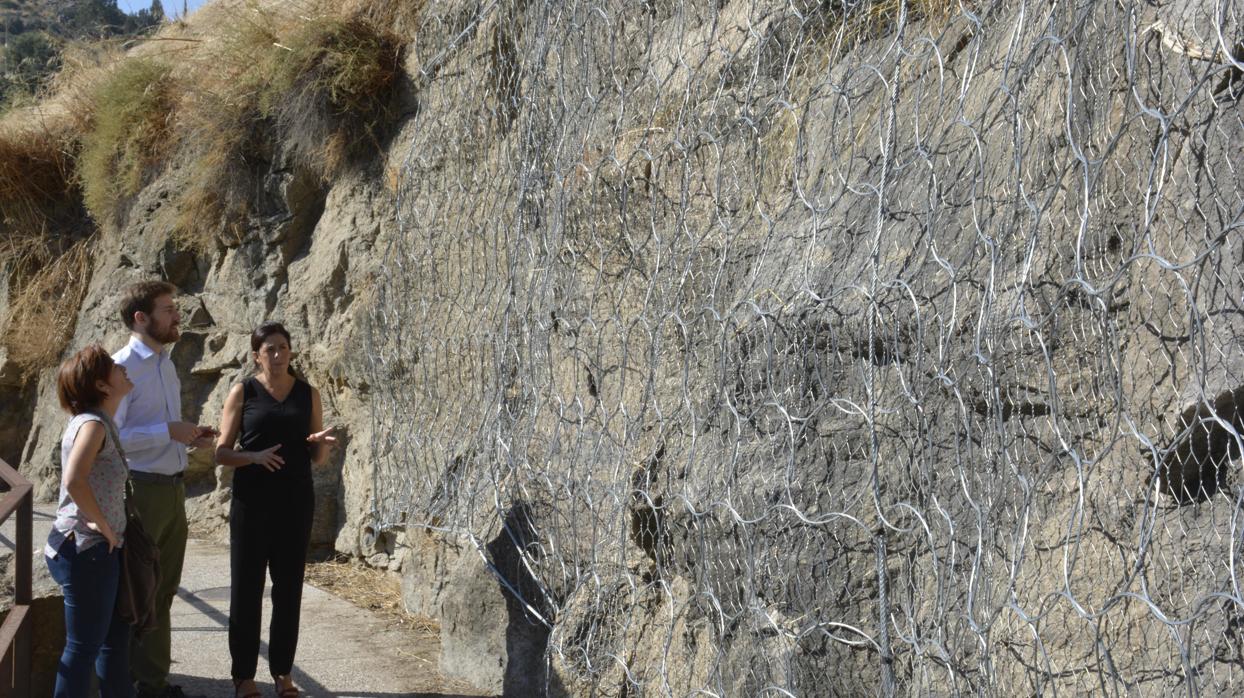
279, 420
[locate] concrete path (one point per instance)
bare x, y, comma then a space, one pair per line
342, 650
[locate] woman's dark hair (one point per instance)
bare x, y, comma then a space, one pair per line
76, 382
266, 330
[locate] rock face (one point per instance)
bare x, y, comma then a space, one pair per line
824, 348
745, 347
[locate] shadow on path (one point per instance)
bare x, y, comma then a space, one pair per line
198, 686
223, 688
309, 686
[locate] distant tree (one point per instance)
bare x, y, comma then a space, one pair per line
36, 30
143, 20
98, 18
31, 59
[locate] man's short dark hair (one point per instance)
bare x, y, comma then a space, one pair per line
76, 382
141, 298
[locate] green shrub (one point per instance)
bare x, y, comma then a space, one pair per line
32, 58
130, 133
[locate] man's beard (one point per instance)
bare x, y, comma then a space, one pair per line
164, 335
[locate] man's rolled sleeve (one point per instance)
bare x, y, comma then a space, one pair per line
139, 438
145, 437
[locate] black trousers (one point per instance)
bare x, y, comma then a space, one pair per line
269, 533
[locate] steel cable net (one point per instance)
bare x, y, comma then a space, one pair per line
832, 348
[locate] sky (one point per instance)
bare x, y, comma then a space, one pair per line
172, 8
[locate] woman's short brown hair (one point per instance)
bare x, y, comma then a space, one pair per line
76, 383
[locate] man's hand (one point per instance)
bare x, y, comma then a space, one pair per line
183, 432
206, 436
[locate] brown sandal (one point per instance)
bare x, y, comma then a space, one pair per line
290, 691
238, 684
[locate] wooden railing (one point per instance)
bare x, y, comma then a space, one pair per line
16, 631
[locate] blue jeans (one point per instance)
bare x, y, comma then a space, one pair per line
93, 633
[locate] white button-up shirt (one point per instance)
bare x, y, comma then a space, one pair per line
143, 415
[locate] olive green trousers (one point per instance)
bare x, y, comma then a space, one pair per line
162, 508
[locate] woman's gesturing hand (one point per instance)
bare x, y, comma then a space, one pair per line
324, 437
267, 458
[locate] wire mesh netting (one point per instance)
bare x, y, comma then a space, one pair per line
812, 348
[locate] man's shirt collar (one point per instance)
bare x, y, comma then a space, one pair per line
140, 348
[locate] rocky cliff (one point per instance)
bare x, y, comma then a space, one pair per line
759, 347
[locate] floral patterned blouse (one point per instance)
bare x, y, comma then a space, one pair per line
107, 480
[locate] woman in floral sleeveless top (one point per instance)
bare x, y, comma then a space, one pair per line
83, 548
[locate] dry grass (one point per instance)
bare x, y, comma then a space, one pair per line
40, 218
272, 82
881, 15
368, 588
42, 224
837, 32
331, 89
254, 81
43, 311
401, 18
71, 94
36, 182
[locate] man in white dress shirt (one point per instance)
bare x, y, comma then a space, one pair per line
155, 440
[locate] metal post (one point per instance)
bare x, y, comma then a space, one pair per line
22, 594
15, 631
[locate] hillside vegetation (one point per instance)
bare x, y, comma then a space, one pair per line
216, 98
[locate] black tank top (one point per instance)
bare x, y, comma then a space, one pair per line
267, 422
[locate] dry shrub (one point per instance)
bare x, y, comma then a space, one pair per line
129, 135
401, 18
36, 183
43, 310
331, 91
316, 88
